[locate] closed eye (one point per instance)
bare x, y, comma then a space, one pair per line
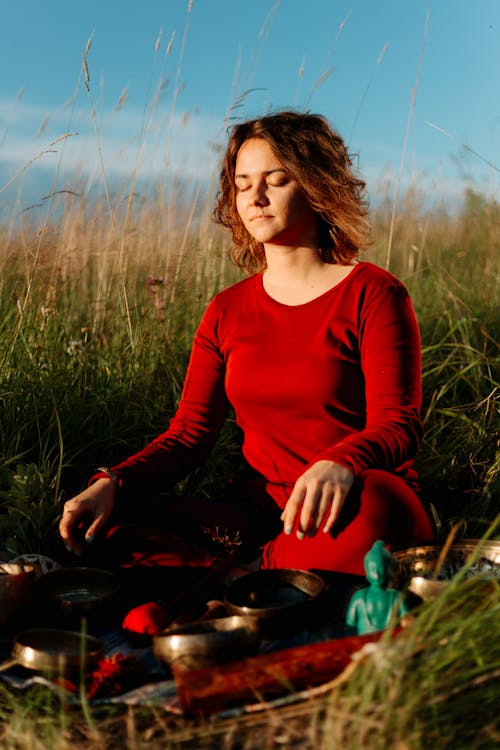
241, 188
273, 178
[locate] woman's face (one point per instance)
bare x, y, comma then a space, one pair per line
272, 207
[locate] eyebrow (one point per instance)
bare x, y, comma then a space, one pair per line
268, 172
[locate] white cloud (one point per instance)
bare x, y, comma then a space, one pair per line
119, 143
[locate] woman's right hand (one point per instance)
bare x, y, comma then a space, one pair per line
94, 506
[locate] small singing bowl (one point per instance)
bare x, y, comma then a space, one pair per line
17, 585
206, 643
280, 600
48, 650
79, 591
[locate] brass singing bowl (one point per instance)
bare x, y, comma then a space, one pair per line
206, 643
280, 600
50, 650
17, 585
425, 571
79, 591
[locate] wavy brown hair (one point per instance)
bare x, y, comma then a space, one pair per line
317, 158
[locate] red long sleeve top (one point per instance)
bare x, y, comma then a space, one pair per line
336, 378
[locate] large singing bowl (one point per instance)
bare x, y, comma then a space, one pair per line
206, 643
52, 650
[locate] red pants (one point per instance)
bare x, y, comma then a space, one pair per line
380, 505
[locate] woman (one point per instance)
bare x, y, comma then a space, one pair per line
317, 352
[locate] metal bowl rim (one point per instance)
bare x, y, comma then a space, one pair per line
59, 582
176, 646
276, 610
34, 656
484, 548
237, 625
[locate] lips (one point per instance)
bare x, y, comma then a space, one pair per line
258, 217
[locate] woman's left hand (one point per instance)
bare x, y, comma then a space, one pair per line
318, 496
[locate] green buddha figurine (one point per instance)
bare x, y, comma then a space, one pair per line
372, 608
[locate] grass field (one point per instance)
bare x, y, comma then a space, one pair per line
98, 305
97, 317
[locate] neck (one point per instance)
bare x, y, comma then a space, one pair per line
290, 265
297, 275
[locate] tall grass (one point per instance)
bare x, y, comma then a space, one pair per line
96, 322
450, 262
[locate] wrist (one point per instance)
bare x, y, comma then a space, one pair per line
104, 472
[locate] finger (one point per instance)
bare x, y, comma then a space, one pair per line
337, 505
289, 514
309, 508
70, 526
322, 509
66, 524
95, 527
72, 545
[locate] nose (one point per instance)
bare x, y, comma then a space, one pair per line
258, 194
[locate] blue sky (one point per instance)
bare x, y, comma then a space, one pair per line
412, 85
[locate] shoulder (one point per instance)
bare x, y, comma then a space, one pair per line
356, 602
237, 290
373, 286
234, 296
358, 596
225, 304
369, 275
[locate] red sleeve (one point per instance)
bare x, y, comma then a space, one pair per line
389, 342
197, 421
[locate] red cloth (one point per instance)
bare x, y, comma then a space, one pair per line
149, 619
137, 545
